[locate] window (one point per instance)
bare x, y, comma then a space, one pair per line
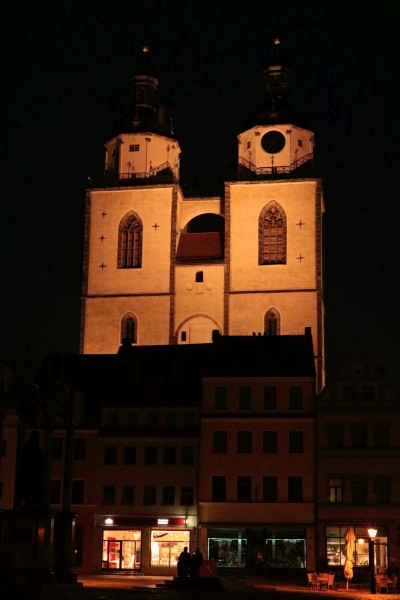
296, 397
270, 488
150, 455
367, 392
335, 435
128, 330
130, 242
132, 420
270, 398
358, 435
189, 419
134, 147
78, 491
336, 490
57, 450
183, 336
270, 442
220, 441
296, 442
55, 491
169, 455
381, 435
108, 494
295, 489
221, 398
359, 489
244, 488
199, 277
218, 488
80, 448
110, 455
149, 495
245, 398
168, 495
272, 322
349, 392
187, 455
170, 420
300, 143
187, 496
272, 235
382, 489
112, 419
244, 441
153, 419
128, 494
130, 455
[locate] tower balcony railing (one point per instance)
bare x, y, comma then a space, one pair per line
277, 171
162, 174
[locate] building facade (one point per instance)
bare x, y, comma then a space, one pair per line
164, 268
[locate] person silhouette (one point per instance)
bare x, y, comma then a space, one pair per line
183, 563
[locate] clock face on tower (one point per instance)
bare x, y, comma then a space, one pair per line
273, 142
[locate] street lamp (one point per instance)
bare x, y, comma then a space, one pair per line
371, 557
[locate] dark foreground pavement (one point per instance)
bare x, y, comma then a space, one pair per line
111, 587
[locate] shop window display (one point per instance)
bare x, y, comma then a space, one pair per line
285, 553
228, 552
166, 546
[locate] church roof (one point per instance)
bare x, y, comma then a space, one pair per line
200, 247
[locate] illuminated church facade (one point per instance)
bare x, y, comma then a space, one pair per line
163, 268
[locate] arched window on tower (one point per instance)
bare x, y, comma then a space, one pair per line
130, 242
272, 235
128, 330
272, 322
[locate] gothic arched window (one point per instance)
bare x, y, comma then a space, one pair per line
272, 235
272, 322
128, 330
130, 242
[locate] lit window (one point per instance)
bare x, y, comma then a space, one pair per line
272, 235
336, 490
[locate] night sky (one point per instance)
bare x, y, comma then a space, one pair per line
65, 72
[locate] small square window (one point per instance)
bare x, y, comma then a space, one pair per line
300, 143
134, 147
199, 277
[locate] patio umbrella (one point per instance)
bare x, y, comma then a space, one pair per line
350, 538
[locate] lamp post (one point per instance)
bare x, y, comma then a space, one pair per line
371, 557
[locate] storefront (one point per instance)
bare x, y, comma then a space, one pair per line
335, 545
258, 549
143, 545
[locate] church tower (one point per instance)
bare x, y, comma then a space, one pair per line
161, 268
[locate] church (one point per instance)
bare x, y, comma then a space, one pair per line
161, 268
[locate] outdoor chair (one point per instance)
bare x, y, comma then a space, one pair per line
331, 579
314, 582
381, 583
392, 585
309, 579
